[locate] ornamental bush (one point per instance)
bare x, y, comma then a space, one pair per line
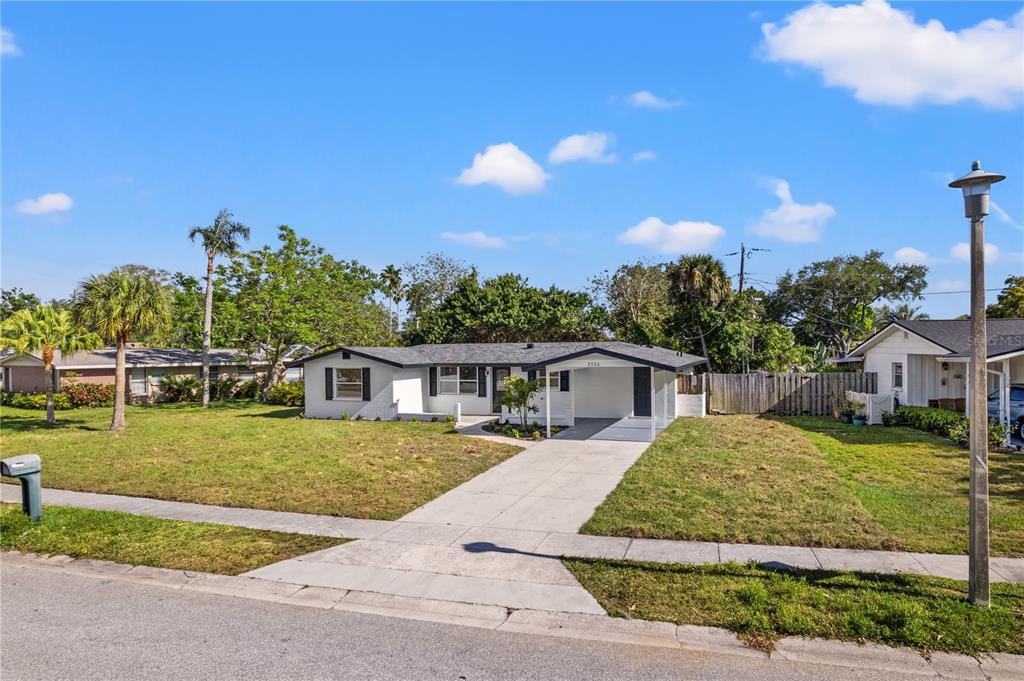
288, 394
87, 394
945, 423
34, 400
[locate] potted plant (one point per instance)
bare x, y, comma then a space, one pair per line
860, 415
847, 411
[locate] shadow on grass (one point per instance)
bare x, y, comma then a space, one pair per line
283, 413
21, 424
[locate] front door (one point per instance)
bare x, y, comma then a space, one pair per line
499, 374
641, 391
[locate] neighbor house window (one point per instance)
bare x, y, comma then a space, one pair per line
246, 374
156, 375
897, 374
215, 373
348, 384
458, 381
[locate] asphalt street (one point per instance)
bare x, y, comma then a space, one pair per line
61, 626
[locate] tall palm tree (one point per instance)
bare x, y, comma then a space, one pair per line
220, 238
391, 280
120, 306
696, 280
46, 330
901, 312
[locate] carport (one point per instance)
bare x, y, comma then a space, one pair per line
632, 388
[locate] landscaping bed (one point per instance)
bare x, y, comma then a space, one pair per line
250, 455
810, 481
763, 604
533, 431
142, 540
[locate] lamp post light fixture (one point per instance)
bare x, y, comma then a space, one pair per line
976, 185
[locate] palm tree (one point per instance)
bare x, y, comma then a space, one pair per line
46, 330
220, 238
697, 280
120, 306
391, 280
901, 312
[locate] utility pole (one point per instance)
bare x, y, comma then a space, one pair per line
975, 186
744, 253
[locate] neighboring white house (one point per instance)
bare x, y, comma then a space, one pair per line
923, 362
601, 379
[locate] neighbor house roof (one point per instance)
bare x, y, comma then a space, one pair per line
526, 355
1005, 336
143, 357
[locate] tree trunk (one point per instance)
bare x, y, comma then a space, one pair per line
704, 347
117, 423
48, 378
207, 330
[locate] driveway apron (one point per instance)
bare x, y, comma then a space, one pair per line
476, 543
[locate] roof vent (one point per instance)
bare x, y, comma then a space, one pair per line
529, 346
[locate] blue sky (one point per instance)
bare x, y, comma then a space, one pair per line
551, 140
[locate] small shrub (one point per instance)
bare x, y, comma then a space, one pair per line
34, 400
223, 389
537, 435
397, 417
888, 419
288, 394
248, 390
377, 419
344, 416
87, 394
450, 418
181, 388
434, 419
946, 423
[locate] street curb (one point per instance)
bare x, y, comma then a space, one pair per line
600, 628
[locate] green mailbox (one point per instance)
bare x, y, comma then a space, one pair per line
25, 469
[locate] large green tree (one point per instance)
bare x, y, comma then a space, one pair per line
120, 306
1010, 302
430, 281
221, 237
14, 299
831, 301
299, 293
698, 288
636, 296
46, 330
507, 309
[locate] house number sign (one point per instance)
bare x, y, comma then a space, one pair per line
593, 364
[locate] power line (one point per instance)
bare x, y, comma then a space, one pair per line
923, 293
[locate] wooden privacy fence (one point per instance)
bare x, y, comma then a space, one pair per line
810, 394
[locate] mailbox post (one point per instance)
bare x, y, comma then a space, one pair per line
26, 469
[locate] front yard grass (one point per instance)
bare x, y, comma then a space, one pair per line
142, 540
253, 456
810, 482
763, 604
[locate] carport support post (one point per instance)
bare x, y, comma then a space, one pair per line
547, 401
572, 397
1006, 398
654, 407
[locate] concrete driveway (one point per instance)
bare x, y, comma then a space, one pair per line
478, 543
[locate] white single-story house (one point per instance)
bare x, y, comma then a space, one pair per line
924, 362
599, 379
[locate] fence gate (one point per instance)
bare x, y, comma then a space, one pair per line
797, 394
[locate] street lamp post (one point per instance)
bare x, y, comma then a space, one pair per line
975, 186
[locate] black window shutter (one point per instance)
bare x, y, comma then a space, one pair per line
481, 381
329, 382
366, 384
563, 382
531, 375
345, 355
433, 381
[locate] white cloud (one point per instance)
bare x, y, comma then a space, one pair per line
791, 221
962, 251
645, 99
682, 237
590, 146
998, 211
886, 57
476, 239
911, 256
47, 203
505, 166
645, 155
8, 47
948, 285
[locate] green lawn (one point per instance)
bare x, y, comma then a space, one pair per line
762, 604
252, 455
810, 482
141, 540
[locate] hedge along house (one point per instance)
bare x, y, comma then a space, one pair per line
924, 362
144, 369
601, 379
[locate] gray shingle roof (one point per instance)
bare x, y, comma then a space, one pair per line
148, 357
514, 354
1004, 335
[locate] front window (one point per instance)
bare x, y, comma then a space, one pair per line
897, 374
553, 380
458, 381
215, 373
348, 384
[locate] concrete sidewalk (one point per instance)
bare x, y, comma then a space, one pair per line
546, 544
